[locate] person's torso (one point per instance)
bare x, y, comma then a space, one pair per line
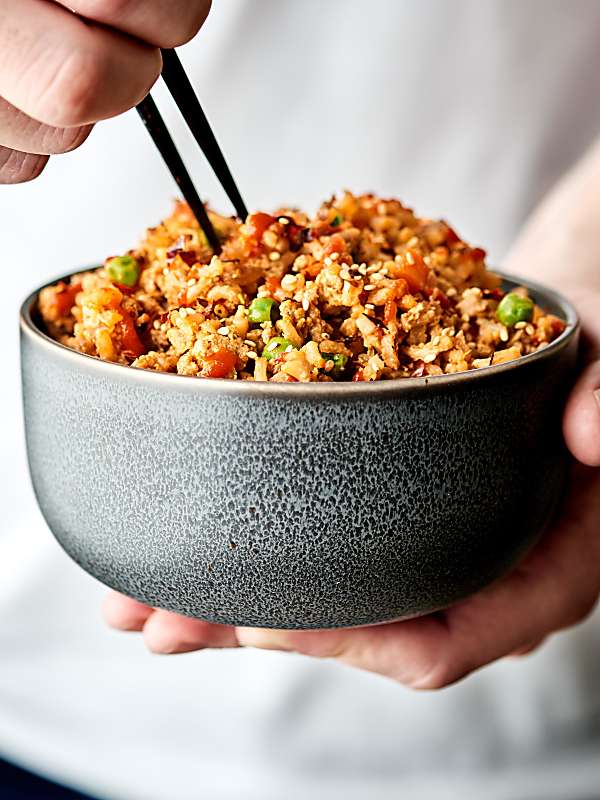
467, 110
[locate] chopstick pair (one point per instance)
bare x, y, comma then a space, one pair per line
186, 100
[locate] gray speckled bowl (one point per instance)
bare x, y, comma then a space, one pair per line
294, 505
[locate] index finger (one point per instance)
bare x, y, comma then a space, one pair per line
164, 23
63, 71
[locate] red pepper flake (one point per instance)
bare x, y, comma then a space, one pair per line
451, 236
219, 364
439, 296
470, 254
313, 270
494, 294
294, 233
124, 289
189, 257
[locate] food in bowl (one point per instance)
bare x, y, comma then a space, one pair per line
362, 291
296, 505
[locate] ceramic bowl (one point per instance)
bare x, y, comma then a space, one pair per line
296, 505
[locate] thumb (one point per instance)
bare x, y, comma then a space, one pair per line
582, 417
581, 423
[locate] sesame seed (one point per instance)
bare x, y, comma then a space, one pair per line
283, 221
335, 256
370, 306
252, 354
376, 276
410, 258
223, 331
191, 282
362, 269
345, 274
305, 303
274, 256
288, 349
504, 335
369, 287
327, 261
520, 326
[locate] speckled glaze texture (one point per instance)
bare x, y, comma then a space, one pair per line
295, 506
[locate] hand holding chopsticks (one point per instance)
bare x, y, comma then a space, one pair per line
181, 89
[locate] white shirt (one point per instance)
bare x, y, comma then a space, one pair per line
468, 110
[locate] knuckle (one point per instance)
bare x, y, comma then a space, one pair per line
69, 98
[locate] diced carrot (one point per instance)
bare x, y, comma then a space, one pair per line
337, 244
64, 299
218, 364
258, 223
415, 271
130, 341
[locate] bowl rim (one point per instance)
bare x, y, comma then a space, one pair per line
327, 390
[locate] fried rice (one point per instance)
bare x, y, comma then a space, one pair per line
364, 290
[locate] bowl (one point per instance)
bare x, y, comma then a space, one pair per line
296, 505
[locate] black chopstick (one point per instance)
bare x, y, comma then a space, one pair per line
162, 139
178, 83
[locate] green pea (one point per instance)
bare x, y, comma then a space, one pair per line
513, 308
276, 347
339, 361
124, 270
337, 221
263, 309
